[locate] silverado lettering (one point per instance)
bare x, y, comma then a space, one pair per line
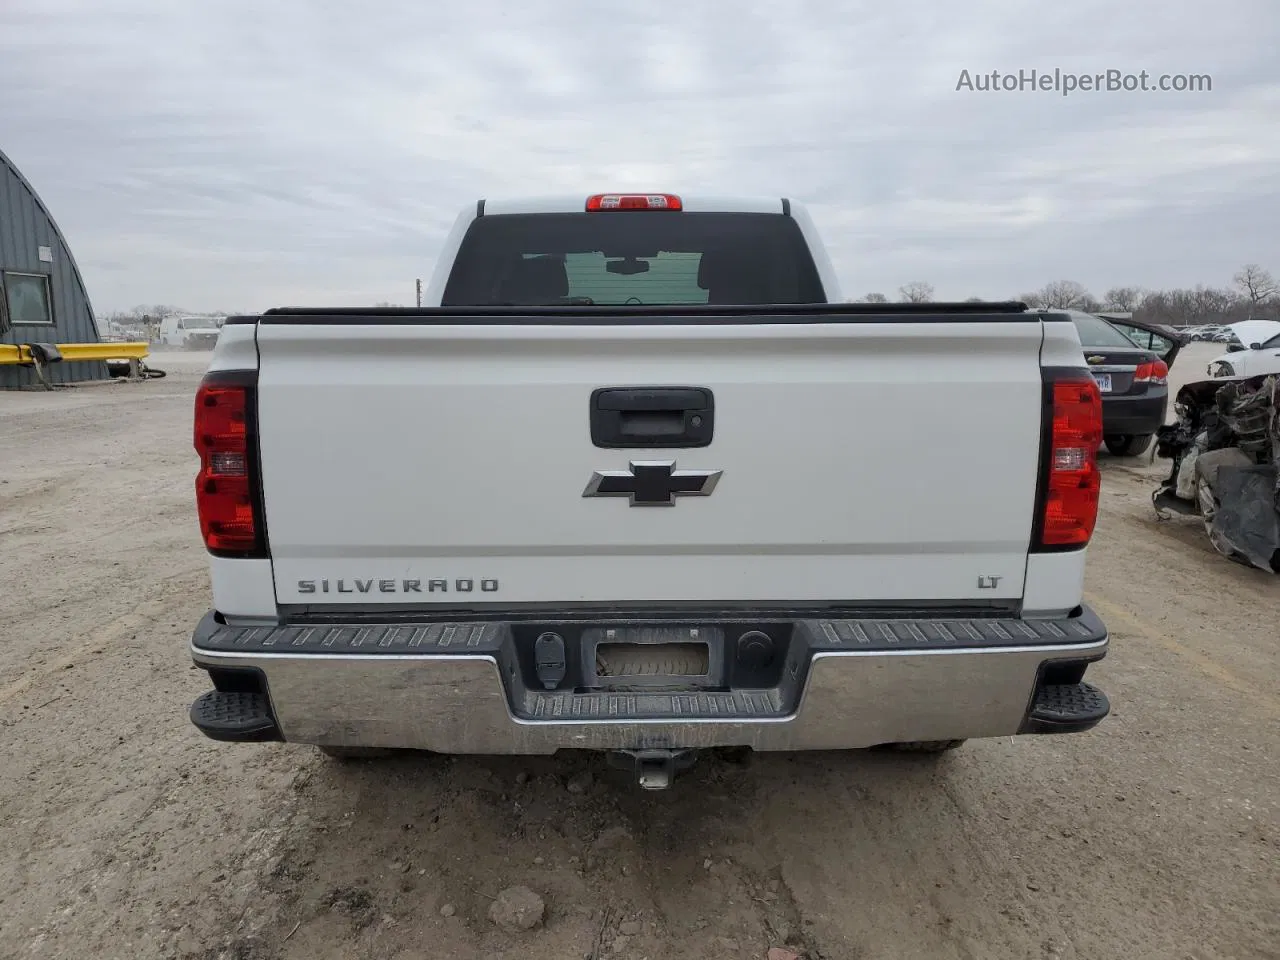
395, 586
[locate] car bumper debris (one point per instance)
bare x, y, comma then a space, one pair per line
1225, 449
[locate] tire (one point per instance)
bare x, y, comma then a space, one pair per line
348, 754
1128, 445
924, 746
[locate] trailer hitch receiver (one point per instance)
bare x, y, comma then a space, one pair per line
653, 769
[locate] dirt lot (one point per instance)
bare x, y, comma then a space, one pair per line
124, 833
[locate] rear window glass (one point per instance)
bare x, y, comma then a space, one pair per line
636, 257
1096, 332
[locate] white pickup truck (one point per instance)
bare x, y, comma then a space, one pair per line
635, 481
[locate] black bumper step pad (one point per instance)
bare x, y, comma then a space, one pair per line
373, 638
1066, 708
235, 716
926, 632
487, 637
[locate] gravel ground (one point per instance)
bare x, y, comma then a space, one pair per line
124, 833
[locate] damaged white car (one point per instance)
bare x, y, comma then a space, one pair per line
1225, 448
1255, 352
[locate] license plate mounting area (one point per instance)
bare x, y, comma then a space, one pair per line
652, 658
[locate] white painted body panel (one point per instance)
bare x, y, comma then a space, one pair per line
237, 349
892, 461
1054, 585
243, 588
862, 462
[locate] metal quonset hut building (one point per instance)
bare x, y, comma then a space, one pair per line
42, 295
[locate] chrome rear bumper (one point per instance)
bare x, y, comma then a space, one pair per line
838, 688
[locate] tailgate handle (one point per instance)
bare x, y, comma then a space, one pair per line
654, 417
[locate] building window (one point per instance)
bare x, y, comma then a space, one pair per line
28, 300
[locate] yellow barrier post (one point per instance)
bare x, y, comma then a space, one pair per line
132, 351
135, 350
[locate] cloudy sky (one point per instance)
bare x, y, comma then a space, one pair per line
236, 155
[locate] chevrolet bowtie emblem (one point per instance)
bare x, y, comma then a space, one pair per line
1094, 359
652, 483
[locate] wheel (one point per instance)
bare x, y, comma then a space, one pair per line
355, 753
924, 746
1128, 444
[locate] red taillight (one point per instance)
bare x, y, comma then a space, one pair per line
1156, 372
1072, 478
225, 497
633, 201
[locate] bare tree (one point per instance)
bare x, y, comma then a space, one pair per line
917, 291
1122, 298
156, 310
1207, 302
1187, 307
1178, 307
1256, 284
973, 300
1066, 295
874, 298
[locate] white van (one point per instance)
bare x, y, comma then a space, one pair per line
190, 332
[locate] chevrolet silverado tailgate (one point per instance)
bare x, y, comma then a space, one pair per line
454, 463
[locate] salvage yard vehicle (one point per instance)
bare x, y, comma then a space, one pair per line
1207, 333
1163, 340
1134, 382
1225, 453
190, 332
1254, 352
637, 481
